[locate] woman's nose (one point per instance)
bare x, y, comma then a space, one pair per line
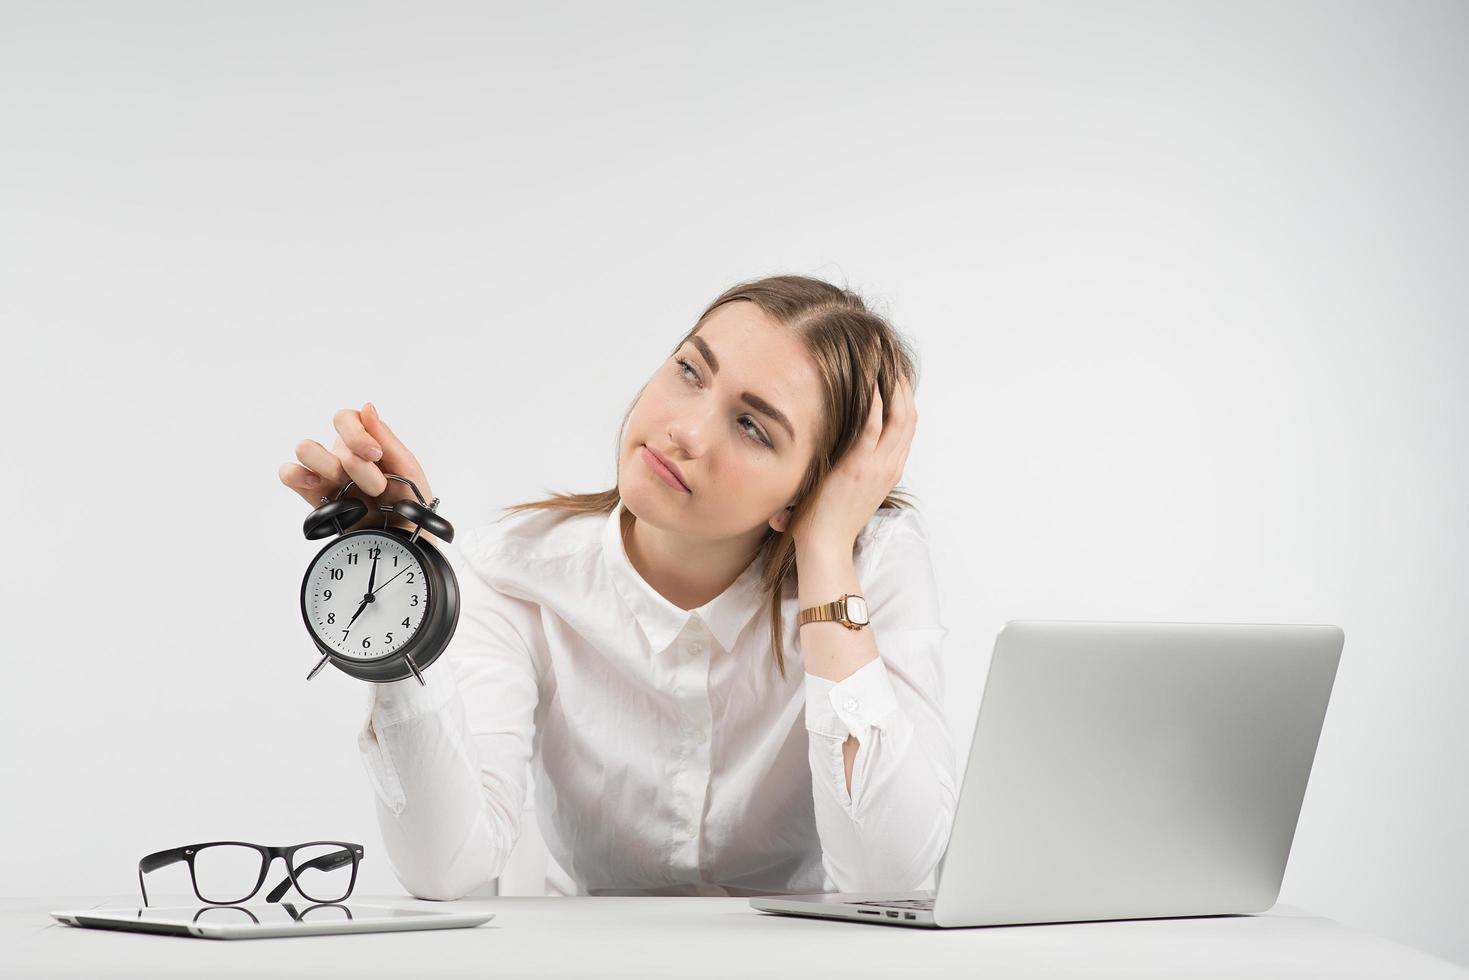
690, 432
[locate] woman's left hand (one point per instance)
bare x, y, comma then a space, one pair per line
863, 477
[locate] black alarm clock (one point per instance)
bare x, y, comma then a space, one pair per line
380, 603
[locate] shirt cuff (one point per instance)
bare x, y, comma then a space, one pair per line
390, 704
402, 700
850, 706
381, 772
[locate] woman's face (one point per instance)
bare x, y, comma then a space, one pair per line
715, 410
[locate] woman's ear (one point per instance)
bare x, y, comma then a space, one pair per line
783, 519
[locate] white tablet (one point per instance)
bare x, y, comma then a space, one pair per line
271, 919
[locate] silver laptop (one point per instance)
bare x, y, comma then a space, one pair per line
1123, 771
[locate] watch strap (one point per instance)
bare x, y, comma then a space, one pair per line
835, 612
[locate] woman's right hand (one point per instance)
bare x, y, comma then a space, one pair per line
364, 450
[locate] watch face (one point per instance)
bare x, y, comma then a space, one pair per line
857, 609
365, 596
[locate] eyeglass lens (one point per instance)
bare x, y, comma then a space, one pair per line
324, 872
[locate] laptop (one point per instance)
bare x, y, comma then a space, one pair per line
1123, 771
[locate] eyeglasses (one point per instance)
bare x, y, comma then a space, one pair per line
228, 872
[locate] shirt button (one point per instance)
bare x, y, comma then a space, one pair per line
696, 648
851, 704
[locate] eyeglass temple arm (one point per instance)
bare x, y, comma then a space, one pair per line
279, 890
327, 862
156, 860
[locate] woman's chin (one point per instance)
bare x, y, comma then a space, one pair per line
636, 497
646, 502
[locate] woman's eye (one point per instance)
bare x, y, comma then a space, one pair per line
754, 432
686, 371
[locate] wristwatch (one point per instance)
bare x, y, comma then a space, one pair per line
850, 610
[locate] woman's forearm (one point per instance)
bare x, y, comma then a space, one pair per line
828, 649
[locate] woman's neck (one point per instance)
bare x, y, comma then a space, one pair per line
686, 573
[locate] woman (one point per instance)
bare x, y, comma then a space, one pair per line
613, 640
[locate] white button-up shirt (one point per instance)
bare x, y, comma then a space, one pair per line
667, 754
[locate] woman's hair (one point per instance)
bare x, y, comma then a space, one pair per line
852, 347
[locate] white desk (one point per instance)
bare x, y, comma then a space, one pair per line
716, 937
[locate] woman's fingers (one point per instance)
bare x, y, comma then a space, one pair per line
368, 477
304, 482
872, 432
397, 457
349, 427
364, 450
897, 435
315, 457
378, 430
903, 406
886, 428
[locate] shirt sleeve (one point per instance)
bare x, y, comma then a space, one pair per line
447, 760
890, 832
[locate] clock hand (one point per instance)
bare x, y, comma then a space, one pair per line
360, 606
366, 598
370, 595
371, 576
385, 584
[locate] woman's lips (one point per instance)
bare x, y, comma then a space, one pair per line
664, 470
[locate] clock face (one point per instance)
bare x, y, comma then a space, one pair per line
339, 583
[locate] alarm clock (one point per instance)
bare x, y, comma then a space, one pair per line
381, 604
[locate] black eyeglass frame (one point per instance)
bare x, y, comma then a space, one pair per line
326, 862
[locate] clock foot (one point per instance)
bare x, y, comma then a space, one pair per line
318, 667
416, 672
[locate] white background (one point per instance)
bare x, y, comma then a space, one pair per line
1186, 281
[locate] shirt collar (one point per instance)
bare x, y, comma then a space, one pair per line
725, 616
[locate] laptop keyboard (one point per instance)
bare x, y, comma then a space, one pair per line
903, 903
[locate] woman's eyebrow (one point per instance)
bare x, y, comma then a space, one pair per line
754, 401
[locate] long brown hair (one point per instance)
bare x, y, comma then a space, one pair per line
852, 347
